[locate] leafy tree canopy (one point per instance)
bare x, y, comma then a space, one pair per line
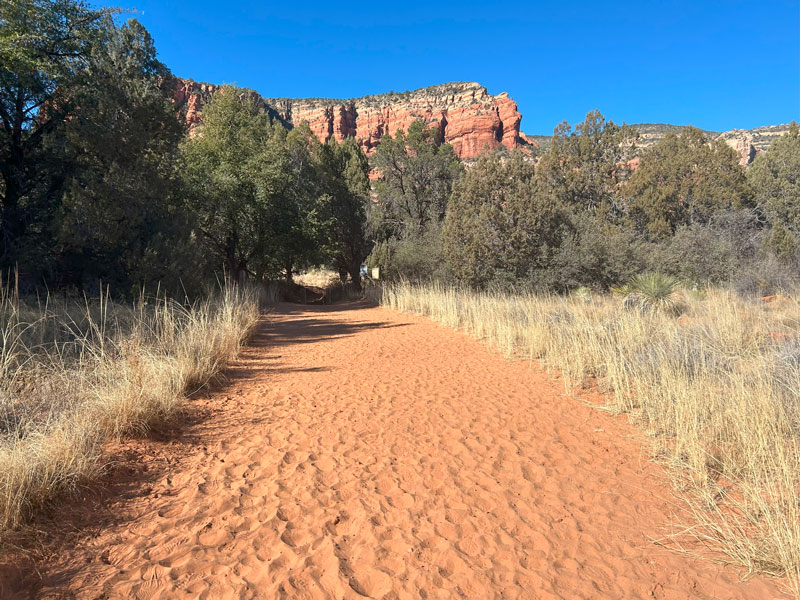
585, 166
346, 171
117, 166
44, 48
236, 169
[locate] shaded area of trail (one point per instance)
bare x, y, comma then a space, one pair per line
358, 452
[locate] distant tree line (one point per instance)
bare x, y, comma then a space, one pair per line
101, 182
585, 214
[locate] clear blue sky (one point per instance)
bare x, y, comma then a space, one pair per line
714, 64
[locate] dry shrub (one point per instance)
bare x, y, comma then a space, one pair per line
74, 375
320, 278
717, 388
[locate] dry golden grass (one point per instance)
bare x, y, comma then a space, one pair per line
321, 278
73, 375
718, 388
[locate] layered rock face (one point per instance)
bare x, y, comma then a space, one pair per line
191, 96
465, 114
747, 143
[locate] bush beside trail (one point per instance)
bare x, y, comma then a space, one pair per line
76, 375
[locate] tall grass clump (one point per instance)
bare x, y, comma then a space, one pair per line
717, 387
75, 374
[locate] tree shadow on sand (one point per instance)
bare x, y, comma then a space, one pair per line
297, 325
135, 465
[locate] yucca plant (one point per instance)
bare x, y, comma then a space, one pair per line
653, 291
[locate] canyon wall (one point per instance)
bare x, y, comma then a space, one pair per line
191, 96
465, 114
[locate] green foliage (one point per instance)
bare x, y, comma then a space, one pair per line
44, 49
622, 290
417, 257
301, 226
695, 253
683, 180
119, 215
499, 223
346, 171
654, 291
88, 141
661, 129
416, 175
585, 166
775, 179
377, 100
593, 252
234, 172
710, 253
98, 181
271, 201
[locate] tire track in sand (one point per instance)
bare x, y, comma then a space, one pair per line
361, 452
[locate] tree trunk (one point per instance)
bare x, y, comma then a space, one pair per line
355, 275
231, 262
13, 228
13, 222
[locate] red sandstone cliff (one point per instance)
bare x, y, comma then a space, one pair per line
467, 116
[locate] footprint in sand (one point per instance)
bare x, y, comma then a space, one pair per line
415, 464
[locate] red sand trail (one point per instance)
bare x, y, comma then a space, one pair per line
358, 452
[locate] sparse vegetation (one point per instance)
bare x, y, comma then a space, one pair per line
75, 374
377, 100
717, 389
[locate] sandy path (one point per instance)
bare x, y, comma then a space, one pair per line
359, 452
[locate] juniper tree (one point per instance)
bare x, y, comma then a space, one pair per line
500, 223
45, 46
119, 218
775, 179
683, 180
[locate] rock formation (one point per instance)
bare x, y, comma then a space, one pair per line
742, 143
751, 142
747, 143
466, 115
192, 95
